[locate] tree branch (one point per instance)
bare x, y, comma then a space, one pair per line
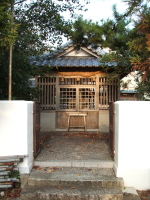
19, 2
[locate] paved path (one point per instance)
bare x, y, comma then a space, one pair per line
75, 146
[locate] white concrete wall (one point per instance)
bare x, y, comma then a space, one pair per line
16, 131
132, 143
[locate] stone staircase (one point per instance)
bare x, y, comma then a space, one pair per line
73, 181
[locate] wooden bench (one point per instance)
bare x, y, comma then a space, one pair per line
77, 115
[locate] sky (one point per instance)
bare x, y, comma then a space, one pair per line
102, 9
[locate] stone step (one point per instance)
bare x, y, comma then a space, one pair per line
71, 193
73, 176
75, 163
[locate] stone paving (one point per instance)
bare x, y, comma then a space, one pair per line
68, 146
77, 146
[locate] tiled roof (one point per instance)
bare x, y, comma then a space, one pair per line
72, 62
51, 59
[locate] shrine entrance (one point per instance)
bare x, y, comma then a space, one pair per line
78, 96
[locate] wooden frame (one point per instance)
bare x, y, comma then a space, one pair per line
64, 93
47, 97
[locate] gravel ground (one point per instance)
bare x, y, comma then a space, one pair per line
74, 146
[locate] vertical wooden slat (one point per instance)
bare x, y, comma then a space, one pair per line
48, 91
41, 92
107, 96
115, 90
44, 92
109, 88
41, 83
111, 127
112, 90
36, 128
54, 93
118, 88
97, 93
53, 101
57, 93
100, 92
50, 96
103, 93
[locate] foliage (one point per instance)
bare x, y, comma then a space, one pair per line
41, 24
116, 34
143, 89
131, 46
111, 33
135, 6
14, 174
84, 32
140, 46
8, 30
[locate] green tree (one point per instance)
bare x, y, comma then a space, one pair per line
116, 34
8, 31
110, 33
84, 32
41, 24
132, 46
139, 46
